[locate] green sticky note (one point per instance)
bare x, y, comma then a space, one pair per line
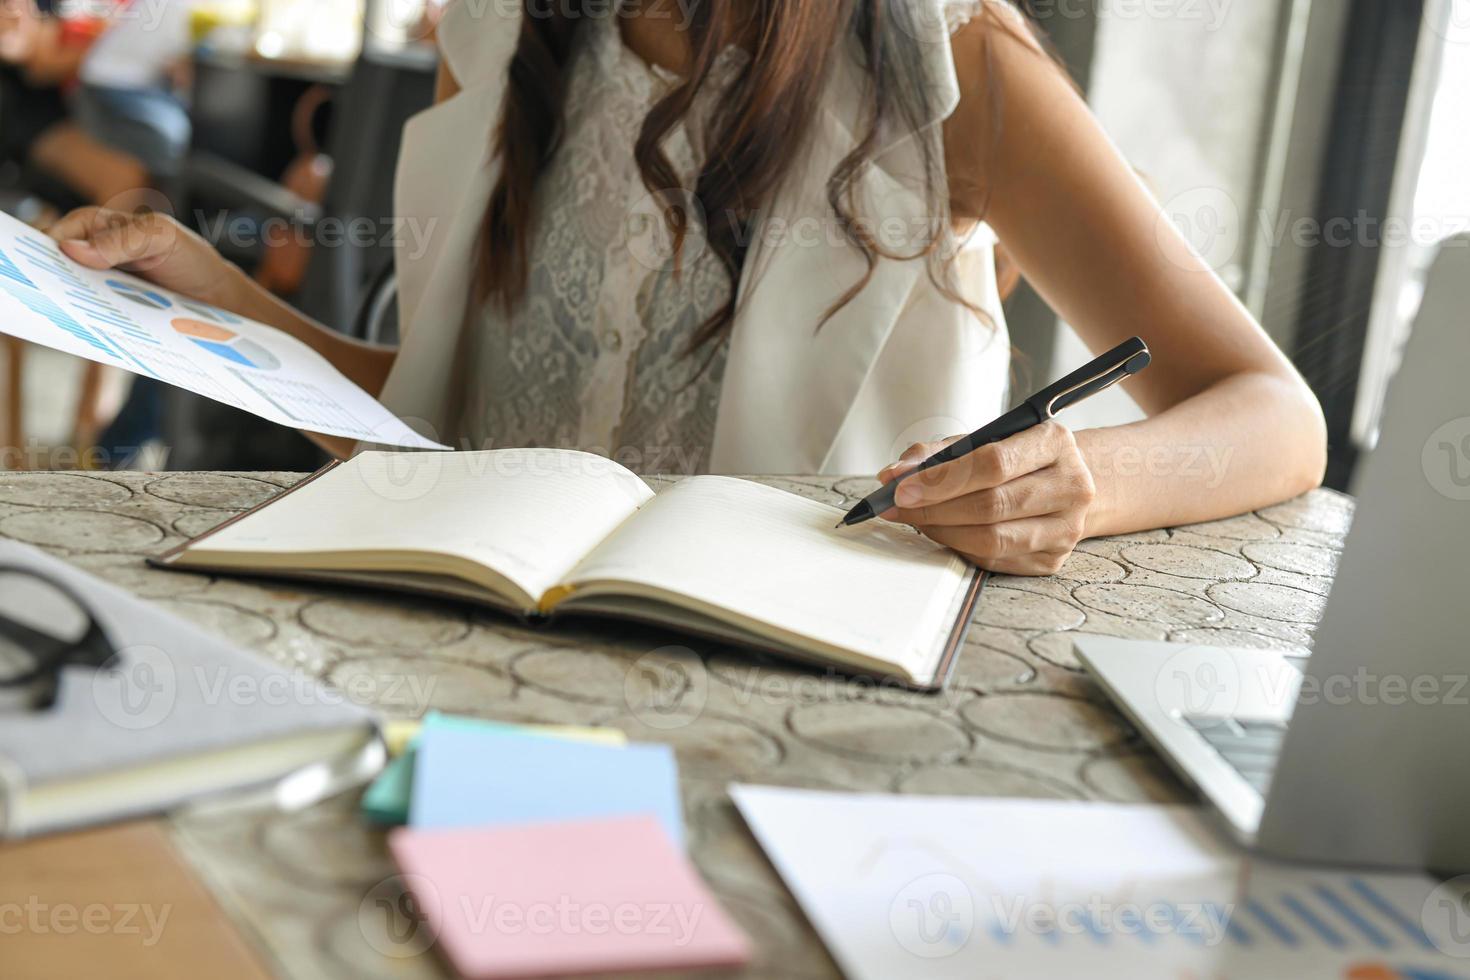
386, 801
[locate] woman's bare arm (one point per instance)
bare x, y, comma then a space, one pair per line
1232, 426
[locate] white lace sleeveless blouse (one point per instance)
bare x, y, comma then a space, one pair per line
594, 356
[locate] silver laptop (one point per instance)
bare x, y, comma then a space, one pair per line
1359, 755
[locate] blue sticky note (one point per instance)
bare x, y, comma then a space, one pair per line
387, 800
477, 778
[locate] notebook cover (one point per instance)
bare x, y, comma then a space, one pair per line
180, 691
118, 902
608, 895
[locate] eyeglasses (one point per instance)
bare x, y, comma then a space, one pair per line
44, 628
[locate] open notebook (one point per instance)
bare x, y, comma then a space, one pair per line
551, 533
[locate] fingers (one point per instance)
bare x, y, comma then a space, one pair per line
912, 457
989, 466
1019, 506
103, 239
1038, 494
73, 225
1033, 546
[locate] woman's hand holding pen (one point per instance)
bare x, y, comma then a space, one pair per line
1018, 506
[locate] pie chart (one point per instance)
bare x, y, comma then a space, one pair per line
139, 295
209, 312
226, 344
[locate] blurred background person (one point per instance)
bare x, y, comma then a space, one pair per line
133, 81
40, 58
131, 98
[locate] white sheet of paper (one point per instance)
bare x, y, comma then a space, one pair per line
117, 319
937, 887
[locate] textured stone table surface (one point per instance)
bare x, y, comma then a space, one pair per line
1019, 719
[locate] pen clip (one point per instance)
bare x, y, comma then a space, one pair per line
1123, 361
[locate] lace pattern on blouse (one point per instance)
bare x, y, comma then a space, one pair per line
593, 357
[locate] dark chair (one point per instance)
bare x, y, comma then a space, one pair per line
387, 86
377, 312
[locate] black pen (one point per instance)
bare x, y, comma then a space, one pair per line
1123, 361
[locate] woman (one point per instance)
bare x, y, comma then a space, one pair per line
758, 236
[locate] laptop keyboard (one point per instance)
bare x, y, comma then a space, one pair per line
1250, 747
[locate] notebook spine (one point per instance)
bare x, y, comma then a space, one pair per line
12, 798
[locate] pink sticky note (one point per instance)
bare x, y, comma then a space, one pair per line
611, 894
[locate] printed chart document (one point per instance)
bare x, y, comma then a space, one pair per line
118, 319
959, 888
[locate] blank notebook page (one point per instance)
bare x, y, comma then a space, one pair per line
531, 514
879, 590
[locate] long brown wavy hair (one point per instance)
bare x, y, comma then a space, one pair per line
792, 44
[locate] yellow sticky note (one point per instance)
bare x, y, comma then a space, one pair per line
577, 733
398, 734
